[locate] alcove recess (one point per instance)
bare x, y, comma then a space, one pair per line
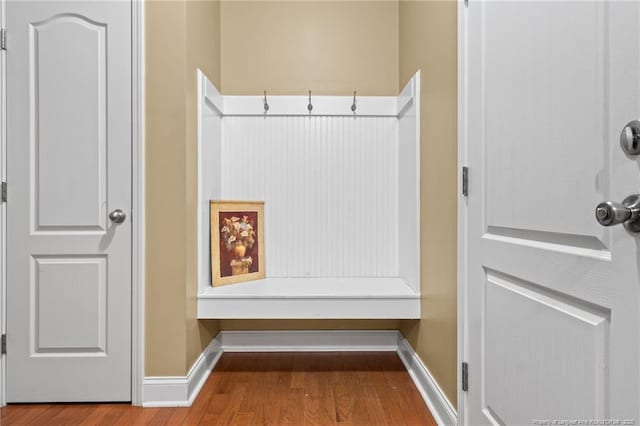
341, 193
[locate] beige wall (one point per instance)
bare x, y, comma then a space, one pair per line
428, 41
290, 47
332, 48
165, 176
180, 37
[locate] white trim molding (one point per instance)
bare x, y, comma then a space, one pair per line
137, 202
3, 208
182, 391
440, 407
178, 391
332, 106
462, 208
309, 341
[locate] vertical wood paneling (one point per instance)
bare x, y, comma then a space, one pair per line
330, 191
408, 202
210, 182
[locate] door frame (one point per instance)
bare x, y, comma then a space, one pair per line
138, 196
462, 260
137, 202
3, 207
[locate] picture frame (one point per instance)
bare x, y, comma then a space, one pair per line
237, 241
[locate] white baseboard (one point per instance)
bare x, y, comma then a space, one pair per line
182, 391
309, 341
440, 407
178, 391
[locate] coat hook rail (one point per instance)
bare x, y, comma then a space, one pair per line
324, 106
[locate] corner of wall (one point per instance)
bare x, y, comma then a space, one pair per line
174, 337
203, 52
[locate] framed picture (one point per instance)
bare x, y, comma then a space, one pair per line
237, 241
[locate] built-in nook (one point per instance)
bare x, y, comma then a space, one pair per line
341, 191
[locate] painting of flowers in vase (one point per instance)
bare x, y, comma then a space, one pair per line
237, 243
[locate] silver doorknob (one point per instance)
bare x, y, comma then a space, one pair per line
609, 213
630, 138
117, 216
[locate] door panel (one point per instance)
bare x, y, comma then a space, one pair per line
545, 104
68, 194
69, 165
553, 324
565, 345
69, 304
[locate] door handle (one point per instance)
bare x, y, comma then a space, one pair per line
610, 213
630, 138
117, 216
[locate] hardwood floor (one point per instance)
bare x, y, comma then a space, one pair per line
335, 388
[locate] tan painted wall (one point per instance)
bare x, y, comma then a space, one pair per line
180, 37
165, 120
332, 48
329, 47
428, 41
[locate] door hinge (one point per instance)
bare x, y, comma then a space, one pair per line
4, 192
466, 3
465, 376
465, 181
3, 39
3, 344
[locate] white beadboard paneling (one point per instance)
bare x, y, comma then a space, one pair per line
330, 191
209, 168
409, 184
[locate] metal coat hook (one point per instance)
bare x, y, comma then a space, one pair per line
353, 105
310, 106
266, 104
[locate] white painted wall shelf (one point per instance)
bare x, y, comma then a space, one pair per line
353, 177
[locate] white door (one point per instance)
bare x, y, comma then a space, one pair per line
69, 167
553, 325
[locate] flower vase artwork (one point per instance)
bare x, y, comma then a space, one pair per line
238, 235
237, 245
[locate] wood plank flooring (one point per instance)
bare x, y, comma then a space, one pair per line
332, 388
